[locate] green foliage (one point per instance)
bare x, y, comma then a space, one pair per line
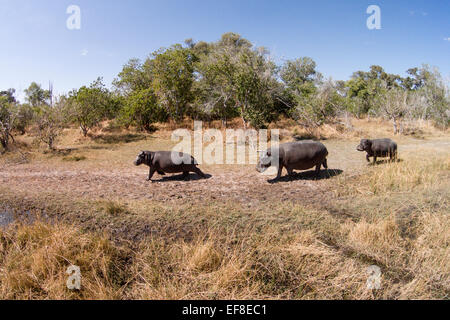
314, 102
231, 78
172, 72
50, 122
24, 117
435, 96
236, 80
141, 108
9, 94
320, 106
133, 77
7, 118
255, 88
298, 73
35, 95
365, 87
90, 105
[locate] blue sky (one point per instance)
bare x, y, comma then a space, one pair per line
36, 45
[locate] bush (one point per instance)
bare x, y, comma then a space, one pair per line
142, 109
49, 124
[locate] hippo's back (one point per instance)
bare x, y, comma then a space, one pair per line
303, 155
172, 162
384, 144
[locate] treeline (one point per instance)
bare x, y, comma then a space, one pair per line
224, 80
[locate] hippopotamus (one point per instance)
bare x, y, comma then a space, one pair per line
168, 162
300, 155
378, 148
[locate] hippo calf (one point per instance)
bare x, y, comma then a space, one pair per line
378, 148
301, 155
168, 162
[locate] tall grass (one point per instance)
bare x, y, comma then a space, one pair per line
34, 259
393, 215
403, 176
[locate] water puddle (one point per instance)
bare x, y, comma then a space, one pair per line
6, 217
9, 216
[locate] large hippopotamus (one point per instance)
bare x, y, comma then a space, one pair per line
168, 162
378, 148
301, 155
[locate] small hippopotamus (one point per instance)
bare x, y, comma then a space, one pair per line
168, 162
378, 148
301, 155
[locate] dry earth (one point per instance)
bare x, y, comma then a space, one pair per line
117, 178
233, 235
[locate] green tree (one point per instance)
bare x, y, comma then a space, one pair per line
89, 105
321, 107
133, 77
301, 81
435, 94
24, 117
35, 95
7, 118
365, 87
214, 89
50, 121
299, 74
142, 109
255, 87
9, 94
172, 71
394, 106
235, 80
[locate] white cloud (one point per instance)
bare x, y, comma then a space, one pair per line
413, 13
447, 39
84, 52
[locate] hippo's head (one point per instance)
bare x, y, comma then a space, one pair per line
140, 159
364, 145
265, 161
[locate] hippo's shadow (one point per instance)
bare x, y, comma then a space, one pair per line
309, 175
117, 138
60, 152
384, 161
181, 177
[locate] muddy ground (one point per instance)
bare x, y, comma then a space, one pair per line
121, 180
109, 175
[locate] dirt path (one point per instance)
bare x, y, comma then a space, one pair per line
245, 186
227, 183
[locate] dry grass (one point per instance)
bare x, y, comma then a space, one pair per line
34, 259
403, 176
393, 215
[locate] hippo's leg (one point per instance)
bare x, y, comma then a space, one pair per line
374, 160
325, 164
367, 157
280, 170
318, 169
393, 155
290, 172
151, 173
199, 172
